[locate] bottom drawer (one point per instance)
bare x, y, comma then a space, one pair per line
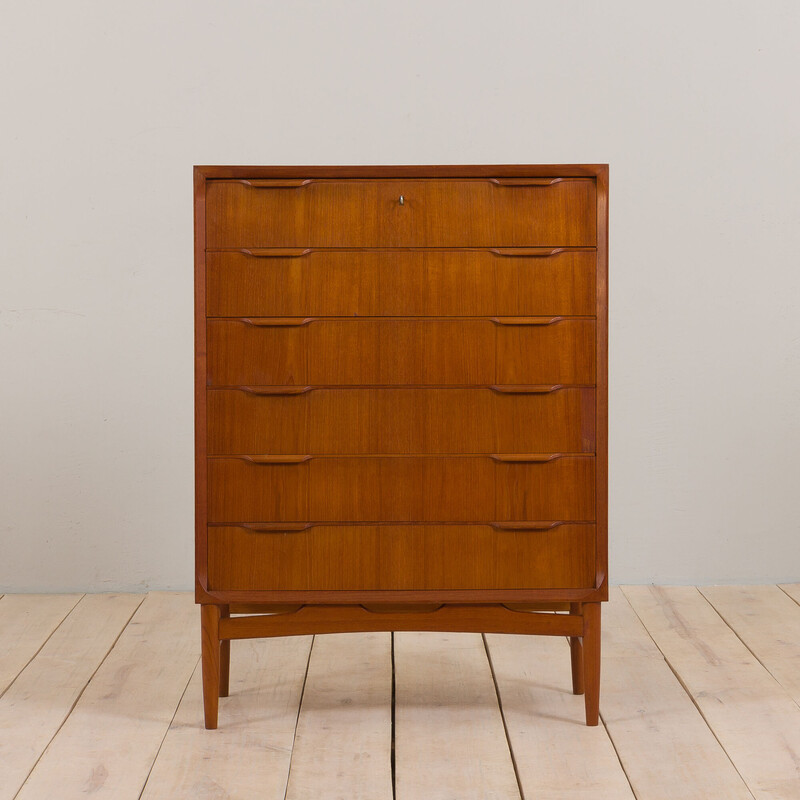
369, 557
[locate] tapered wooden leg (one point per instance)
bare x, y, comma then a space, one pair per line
576, 654
224, 657
209, 629
591, 661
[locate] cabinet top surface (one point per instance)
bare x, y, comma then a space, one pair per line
404, 171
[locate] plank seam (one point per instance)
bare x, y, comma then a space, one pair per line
619, 758
733, 630
793, 599
167, 729
80, 694
747, 646
503, 717
686, 689
392, 760
297, 718
47, 639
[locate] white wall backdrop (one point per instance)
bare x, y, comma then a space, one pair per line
106, 106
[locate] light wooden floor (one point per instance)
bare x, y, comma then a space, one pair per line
101, 697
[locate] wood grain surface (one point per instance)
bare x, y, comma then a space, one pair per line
366, 351
368, 213
362, 421
401, 488
400, 282
401, 557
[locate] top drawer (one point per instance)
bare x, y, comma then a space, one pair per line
464, 212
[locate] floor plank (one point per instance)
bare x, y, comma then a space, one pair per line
792, 589
663, 742
107, 745
342, 749
248, 755
754, 718
42, 696
557, 755
26, 621
768, 621
449, 736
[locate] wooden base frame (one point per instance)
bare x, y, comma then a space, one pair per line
581, 625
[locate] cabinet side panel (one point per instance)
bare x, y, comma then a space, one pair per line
602, 381
200, 432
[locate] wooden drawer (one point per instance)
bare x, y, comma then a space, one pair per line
401, 488
400, 557
466, 212
486, 282
278, 420
391, 351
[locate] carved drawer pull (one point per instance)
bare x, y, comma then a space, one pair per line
269, 460
526, 458
276, 252
275, 527
270, 391
525, 320
526, 526
277, 183
526, 389
527, 252
276, 322
528, 181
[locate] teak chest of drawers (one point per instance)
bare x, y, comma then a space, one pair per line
401, 404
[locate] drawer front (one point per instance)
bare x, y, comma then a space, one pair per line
434, 213
391, 351
400, 557
503, 281
403, 421
400, 489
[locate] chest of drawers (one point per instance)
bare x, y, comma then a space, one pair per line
401, 404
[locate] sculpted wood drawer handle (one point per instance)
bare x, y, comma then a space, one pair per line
525, 320
276, 252
276, 322
275, 527
526, 526
526, 389
270, 391
529, 252
528, 458
278, 183
528, 181
270, 460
